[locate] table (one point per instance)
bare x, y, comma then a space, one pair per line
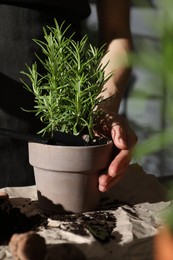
122, 228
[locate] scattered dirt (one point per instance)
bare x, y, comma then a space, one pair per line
13, 221
99, 223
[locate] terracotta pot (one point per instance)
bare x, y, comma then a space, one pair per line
67, 176
163, 244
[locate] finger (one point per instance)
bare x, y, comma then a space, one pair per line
103, 182
119, 137
106, 181
121, 159
117, 166
114, 181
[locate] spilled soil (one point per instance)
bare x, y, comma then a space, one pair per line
13, 221
99, 223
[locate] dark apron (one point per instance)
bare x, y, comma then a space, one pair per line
18, 26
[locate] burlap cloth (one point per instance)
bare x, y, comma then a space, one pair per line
129, 216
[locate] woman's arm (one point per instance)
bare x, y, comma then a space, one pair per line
114, 31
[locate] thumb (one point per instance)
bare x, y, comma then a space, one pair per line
119, 137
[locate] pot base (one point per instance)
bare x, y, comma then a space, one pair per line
68, 192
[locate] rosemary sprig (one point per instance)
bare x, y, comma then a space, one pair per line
66, 95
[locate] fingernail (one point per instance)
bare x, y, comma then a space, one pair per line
112, 174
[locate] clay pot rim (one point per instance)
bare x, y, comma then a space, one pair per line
71, 146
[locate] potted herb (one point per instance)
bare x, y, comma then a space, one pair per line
67, 92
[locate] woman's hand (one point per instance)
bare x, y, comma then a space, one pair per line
124, 139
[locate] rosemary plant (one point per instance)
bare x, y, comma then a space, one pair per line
67, 91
